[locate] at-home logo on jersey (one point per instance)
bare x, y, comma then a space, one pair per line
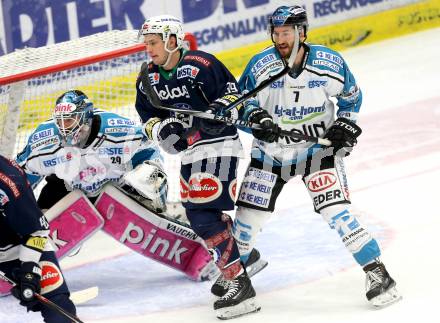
321, 181
291, 115
187, 71
154, 78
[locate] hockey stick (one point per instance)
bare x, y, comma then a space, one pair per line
287, 67
43, 300
155, 101
83, 296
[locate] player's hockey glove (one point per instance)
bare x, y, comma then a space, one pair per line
169, 133
343, 135
218, 107
269, 132
27, 279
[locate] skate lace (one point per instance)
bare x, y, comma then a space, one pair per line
374, 279
233, 287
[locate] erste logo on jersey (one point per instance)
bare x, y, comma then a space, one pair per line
187, 71
51, 277
316, 83
58, 160
204, 187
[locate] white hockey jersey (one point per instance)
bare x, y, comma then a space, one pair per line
118, 147
301, 103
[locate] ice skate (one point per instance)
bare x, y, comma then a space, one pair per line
380, 287
253, 265
238, 300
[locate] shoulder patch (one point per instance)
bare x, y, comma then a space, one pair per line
187, 71
122, 130
154, 78
325, 63
120, 122
42, 134
330, 57
54, 140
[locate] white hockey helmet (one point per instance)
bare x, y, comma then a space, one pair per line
164, 25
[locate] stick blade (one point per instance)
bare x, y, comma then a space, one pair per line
85, 295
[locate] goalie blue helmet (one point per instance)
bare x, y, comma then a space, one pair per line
289, 16
73, 116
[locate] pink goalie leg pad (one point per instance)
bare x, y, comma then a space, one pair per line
152, 235
72, 221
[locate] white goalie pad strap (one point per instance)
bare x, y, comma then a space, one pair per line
151, 235
150, 181
73, 220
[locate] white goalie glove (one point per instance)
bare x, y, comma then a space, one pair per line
147, 183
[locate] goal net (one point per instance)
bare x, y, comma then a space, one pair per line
103, 65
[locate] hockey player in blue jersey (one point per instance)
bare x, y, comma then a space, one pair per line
84, 148
25, 255
209, 150
300, 102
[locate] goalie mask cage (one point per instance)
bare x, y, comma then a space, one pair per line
103, 65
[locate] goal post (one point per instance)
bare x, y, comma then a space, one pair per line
103, 65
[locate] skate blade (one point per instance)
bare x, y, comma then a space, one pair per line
256, 267
388, 298
246, 307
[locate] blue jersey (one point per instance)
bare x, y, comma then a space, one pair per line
116, 146
197, 80
22, 224
301, 102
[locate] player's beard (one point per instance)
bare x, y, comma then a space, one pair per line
285, 50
